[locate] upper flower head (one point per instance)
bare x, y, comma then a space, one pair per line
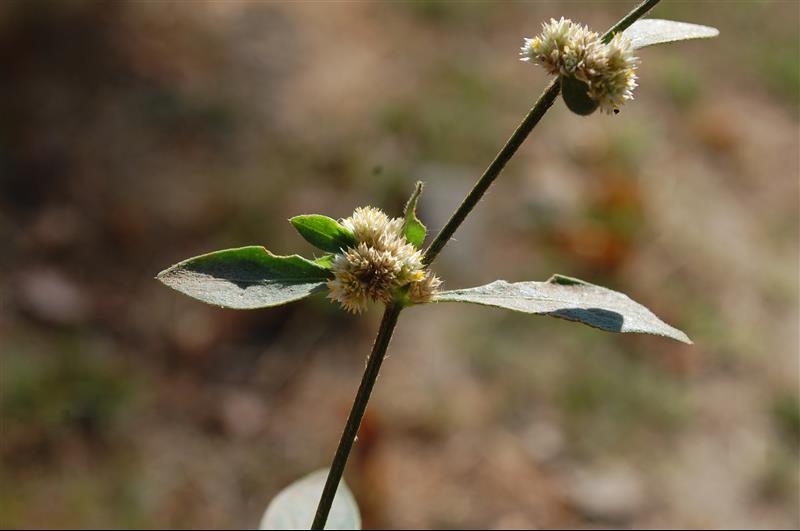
569, 49
612, 75
561, 47
380, 263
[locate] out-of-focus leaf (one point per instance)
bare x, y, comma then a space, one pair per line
568, 298
294, 507
651, 31
246, 278
413, 229
323, 232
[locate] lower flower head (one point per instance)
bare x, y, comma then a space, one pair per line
380, 263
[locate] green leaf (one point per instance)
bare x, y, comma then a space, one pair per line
650, 31
246, 278
413, 229
576, 95
323, 232
568, 298
325, 261
294, 507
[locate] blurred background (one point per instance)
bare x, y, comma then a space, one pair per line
137, 134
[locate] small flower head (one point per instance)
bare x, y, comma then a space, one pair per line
568, 49
561, 48
380, 263
371, 225
423, 290
612, 74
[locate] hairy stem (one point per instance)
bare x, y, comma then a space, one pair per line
493, 171
496, 167
635, 14
392, 311
356, 413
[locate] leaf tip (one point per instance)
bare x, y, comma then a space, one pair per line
566, 281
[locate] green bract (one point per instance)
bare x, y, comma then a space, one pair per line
576, 96
323, 232
413, 229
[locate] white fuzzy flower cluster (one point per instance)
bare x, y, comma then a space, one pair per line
380, 263
569, 49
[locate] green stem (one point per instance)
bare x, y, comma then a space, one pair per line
388, 323
635, 14
545, 101
392, 311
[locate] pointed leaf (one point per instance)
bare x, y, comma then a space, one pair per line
568, 298
650, 31
413, 229
325, 261
294, 507
246, 278
323, 232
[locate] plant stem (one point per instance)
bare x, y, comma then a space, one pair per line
392, 311
388, 323
493, 171
635, 14
545, 101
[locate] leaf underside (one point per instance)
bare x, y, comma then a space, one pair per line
571, 299
651, 31
294, 507
246, 278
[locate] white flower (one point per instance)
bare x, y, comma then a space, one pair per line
423, 290
612, 76
380, 263
568, 49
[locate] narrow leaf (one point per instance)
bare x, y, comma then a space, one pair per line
650, 31
413, 229
323, 232
294, 506
246, 278
568, 298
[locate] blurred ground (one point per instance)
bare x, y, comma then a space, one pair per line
133, 135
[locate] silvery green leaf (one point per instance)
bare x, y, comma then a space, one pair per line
568, 298
650, 31
246, 278
413, 229
294, 507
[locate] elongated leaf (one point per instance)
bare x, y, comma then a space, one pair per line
413, 229
650, 31
294, 506
246, 278
568, 298
323, 232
